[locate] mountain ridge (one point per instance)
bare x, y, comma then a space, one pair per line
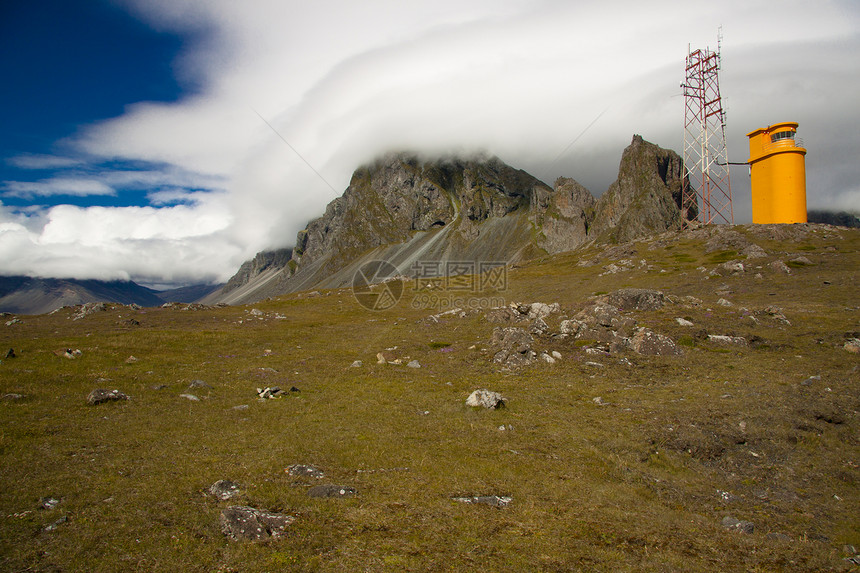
407, 211
34, 295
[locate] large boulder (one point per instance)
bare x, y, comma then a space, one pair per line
650, 343
636, 299
484, 398
512, 345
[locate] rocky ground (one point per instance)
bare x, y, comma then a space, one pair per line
685, 402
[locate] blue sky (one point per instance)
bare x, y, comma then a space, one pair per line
68, 64
137, 142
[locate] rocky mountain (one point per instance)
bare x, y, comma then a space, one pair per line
646, 197
28, 295
426, 216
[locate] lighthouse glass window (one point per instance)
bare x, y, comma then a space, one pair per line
781, 135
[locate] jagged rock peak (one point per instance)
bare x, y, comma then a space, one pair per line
647, 197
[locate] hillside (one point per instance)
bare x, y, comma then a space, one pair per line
687, 401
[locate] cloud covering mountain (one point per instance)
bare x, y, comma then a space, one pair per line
283, 100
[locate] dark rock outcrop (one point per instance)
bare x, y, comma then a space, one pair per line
647, 197
563, 215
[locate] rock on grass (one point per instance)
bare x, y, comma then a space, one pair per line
485, 398
492, 500
100, 396
248, 523
331, 490
737, 525
224, 489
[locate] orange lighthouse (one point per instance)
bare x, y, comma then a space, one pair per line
777, 174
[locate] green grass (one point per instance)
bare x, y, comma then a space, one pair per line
633, 485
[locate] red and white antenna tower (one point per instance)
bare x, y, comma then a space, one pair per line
705, 155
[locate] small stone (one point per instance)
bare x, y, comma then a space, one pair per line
541, 310
224, 489
492, 500
485, 398
69, 353
733, 267
48, 503
852, 345
330, 490
781, 537
721, 339
100, 396
811, 380
571, 327
737, 525
13, 397
130, 360
599, 401
414, 364
191, 397
683, 322
305, 470
356, 364
253, 524
199, 384
724, 302
547, 358
56, 524
241, 407
780, 267
538, 326
556, 354
650, 343
269, 393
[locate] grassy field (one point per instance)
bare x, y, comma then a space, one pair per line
617, 462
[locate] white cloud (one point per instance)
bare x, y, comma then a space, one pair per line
42, 161
344, 81
180, 244
75, 187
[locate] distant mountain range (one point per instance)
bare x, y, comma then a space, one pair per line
28, 295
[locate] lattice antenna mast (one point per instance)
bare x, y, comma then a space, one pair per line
705, 154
